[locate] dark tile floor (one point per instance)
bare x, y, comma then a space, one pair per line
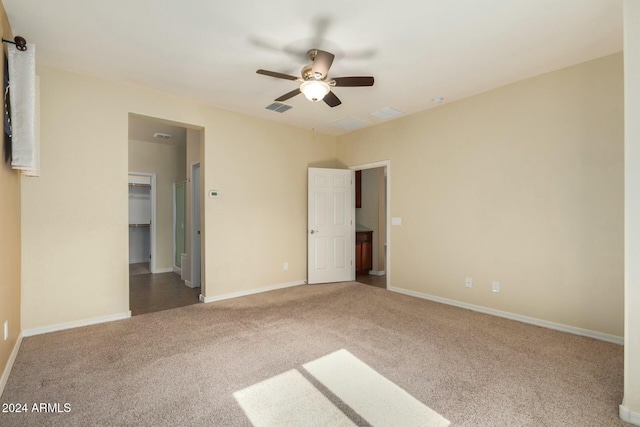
377, 281
149, 293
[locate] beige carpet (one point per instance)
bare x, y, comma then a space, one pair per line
182, 366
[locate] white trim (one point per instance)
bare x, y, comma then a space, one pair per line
512, 316
629, 416
12, 358
376, 273
138, 261
76, 324
386, 164
173, 262
251, 292
175, 225
164, 270
188, 283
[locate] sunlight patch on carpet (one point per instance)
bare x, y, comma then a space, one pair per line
372, 396
289, 399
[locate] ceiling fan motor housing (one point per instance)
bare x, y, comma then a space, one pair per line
307, 74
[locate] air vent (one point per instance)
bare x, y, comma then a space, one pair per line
161, 135
278, 107
348, 124
387, 113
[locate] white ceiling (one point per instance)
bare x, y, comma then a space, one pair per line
209, 50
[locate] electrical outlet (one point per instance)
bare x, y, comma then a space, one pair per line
6, 329
495, 287
468, 282
285, 266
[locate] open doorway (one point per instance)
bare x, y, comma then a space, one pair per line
160, 152
142, 232
372, 230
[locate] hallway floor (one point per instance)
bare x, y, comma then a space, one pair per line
149, 293
377, 281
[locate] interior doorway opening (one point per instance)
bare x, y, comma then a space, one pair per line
161, 153
372, 224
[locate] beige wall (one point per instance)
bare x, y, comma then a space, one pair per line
167, 161
75, 265
9, 239
522, 185
631, 404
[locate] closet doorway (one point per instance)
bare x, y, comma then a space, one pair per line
142, 231
372, 224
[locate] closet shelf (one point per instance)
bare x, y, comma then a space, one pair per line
133, 184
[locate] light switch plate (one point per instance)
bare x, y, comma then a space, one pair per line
495, 287
396, 220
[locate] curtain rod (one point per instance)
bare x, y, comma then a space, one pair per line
20, 42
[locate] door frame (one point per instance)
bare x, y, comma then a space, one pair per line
386, 164
152, 228
177, 269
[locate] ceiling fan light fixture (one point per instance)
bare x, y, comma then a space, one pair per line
314, 90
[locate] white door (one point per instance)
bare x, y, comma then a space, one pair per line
331, 226
195, 226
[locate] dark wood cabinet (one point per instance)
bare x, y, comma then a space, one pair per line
364, 251
358, 189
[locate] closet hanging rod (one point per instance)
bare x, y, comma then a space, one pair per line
139, 225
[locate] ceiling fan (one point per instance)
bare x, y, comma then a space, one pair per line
314, 84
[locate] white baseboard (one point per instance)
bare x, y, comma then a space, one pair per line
250, 292
520, 318
138, 261
629, 416
189, 284
376, 273
163, 270
177, 270
76, 324
12, 358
